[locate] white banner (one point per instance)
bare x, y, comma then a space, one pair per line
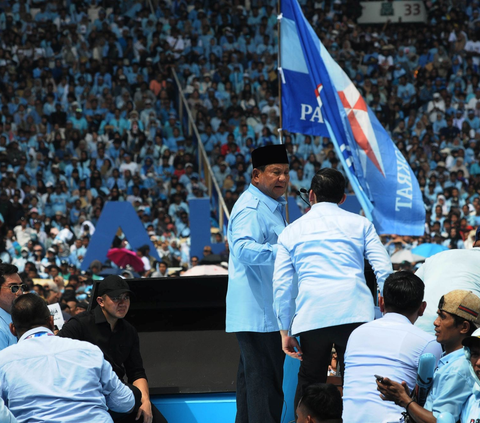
56, 312
396, 12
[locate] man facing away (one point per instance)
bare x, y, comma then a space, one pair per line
45, 378
257, 219
105, 326
326, 248
320, 403
458, 316
11, 287
390, 347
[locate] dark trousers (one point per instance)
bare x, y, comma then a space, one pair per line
317, 347
130, 417
260, 378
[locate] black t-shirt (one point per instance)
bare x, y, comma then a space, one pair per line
121, 347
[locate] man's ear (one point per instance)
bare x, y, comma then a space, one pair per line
51, 323
13, 330
381, 303
422, 308
312, 198
343, 199
99, 301
465, 327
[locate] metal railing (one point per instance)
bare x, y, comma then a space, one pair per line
204, 169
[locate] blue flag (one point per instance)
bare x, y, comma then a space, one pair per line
318, 98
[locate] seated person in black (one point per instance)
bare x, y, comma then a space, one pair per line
105, 327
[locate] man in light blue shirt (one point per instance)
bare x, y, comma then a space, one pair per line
458, 317
257, 219
471, 347
326, 248
53, 379
10, 287
390, 347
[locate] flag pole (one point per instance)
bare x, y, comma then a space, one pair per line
280, 77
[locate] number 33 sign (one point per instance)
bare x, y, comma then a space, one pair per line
395, 12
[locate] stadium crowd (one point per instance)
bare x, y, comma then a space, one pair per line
89, 113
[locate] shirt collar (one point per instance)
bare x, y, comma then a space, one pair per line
325, 205
446, 358
269, 201
33, 331
396, 317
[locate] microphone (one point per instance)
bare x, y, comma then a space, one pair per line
426, 368
299, 193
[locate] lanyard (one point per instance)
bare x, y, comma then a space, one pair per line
38, 335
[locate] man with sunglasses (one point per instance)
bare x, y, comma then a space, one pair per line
105, 327
11, 286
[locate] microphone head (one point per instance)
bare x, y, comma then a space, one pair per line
304, 190
426, 369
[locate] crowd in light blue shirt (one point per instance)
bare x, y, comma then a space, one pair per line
45, 378
254, 226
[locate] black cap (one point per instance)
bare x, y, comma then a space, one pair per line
270, 154
113, 285
82, 304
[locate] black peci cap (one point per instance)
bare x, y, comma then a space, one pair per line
270, 154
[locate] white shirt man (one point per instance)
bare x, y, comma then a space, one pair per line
389, 347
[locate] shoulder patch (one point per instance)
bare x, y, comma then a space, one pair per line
252, 203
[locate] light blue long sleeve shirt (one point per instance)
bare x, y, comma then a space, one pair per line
452, 385
326, 249
254, 226
45, 378
6, 337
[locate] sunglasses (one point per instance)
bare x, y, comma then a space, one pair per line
15, 288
